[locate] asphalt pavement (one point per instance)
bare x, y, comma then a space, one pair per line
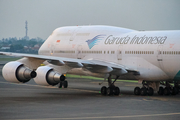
82, 100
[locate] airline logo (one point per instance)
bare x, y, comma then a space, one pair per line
92, 42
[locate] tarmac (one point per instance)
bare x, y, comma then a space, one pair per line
82, 100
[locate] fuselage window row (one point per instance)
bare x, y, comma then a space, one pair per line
120, 52
87, 52
152, 52
139, 52
98, 52
64, 52
170, 52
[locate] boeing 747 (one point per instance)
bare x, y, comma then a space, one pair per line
151, 57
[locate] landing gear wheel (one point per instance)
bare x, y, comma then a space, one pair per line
65, 84
150, 91
161, 91
104, 90
177, 89
60, 84
174, 91
166, 91
143, 91
109, 91
116, 91
137, 91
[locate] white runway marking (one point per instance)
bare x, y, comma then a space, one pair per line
105, 117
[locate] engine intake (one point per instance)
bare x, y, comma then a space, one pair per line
16, 72
47, 76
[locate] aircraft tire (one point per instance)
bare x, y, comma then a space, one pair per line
143, 91
137, 91
150, 91
109, 91
167, 91
65, 84
116, 91
60, 84
174, 91
161, 91
104, 90
177, 89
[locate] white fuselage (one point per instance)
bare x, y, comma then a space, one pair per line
155, 54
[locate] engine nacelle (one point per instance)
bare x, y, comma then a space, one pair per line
16, 72
47, 76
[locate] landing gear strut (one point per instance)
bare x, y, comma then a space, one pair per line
112, 89
63, 82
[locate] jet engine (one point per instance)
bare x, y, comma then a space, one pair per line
47, 76
16, 72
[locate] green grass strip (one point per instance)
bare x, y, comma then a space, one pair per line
86, 77
9, 59
96, 78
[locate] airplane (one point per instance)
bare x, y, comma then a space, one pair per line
149, 57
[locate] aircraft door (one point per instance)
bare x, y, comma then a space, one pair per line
51, 48
159, 56
79, 52
73, 36
119, 52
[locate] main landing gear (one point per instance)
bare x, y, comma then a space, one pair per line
145, 90
112, 89
63, 82
169, 89
149, 88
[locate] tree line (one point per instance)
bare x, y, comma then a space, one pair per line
21, 45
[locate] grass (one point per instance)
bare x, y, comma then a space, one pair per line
9, 59
85, 77
95, 78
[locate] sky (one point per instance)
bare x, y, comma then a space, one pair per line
44, 16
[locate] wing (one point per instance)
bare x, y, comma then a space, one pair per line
95, 66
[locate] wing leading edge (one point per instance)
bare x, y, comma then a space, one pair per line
95, 66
